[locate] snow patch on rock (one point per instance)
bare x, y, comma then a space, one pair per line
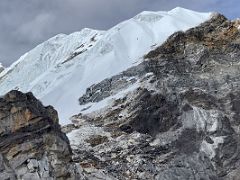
210, 149
202, 119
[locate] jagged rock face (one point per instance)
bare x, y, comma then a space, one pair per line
181, 121
1, 69
32, 145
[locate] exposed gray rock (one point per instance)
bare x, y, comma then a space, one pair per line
111, 86
182, 122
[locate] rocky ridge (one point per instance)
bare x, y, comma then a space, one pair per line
174, 116
32, 145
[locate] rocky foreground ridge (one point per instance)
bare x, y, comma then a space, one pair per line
32, 145
175, 116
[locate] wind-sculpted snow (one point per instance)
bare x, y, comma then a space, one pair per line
59, 70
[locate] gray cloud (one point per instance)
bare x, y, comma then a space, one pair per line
26, 23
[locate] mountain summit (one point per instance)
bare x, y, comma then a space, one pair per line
59, 70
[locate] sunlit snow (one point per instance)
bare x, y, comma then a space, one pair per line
59, 70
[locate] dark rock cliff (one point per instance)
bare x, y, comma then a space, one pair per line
32, 145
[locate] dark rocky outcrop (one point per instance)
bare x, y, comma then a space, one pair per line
1, 68
32, 145
183, 119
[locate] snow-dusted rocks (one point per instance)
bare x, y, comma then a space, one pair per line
59, 70
181, 119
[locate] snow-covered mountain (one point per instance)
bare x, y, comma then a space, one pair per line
173, 116
59, 70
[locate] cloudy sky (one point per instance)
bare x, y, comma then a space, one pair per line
26, 23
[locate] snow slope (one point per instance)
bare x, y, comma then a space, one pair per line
59, 70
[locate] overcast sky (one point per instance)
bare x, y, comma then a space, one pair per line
26, 23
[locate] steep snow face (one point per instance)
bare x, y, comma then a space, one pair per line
59, 70
31, 69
